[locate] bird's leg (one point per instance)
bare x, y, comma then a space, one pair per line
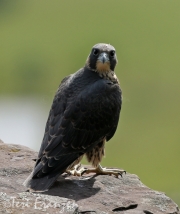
99, 170
76, 170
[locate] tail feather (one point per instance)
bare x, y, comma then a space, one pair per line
40, 184
46, 180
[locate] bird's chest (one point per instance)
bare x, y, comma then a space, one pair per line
109, 76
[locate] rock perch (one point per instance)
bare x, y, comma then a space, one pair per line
74, 195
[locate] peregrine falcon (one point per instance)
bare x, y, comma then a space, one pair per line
83, 117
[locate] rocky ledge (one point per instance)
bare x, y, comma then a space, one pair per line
73, 195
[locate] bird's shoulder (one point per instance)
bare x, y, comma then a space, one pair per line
85, 80
81, 97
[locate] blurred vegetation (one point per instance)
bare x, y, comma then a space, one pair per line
43, 41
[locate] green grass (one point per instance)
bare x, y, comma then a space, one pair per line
43, 41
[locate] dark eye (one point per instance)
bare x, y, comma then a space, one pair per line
112, 53
95, 52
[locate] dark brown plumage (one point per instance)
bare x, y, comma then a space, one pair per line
84, 115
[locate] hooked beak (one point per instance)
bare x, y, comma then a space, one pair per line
103, 57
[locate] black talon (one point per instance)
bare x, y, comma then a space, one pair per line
120, 174
83, 172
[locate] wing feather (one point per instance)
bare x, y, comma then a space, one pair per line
78, 120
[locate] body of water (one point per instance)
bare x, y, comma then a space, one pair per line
22, 121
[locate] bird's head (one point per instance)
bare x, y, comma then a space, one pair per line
102, 58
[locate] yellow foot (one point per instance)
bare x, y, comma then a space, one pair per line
105, 171
77, 170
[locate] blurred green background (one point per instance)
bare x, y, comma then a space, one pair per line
43, 41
